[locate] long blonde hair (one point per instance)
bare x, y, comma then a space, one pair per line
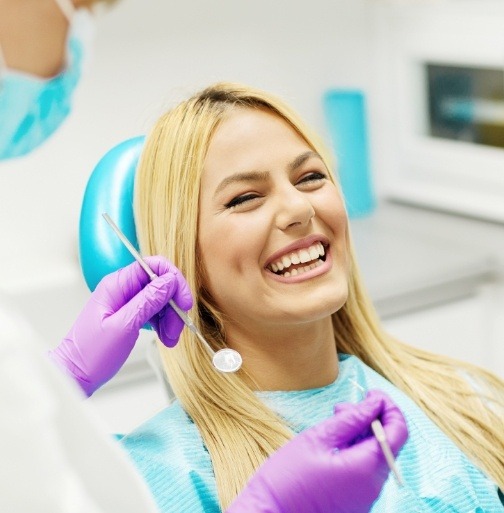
166, 209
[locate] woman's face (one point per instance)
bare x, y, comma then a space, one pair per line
272, 226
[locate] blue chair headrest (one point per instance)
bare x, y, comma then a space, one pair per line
109, 189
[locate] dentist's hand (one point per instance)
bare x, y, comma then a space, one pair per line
106, 330
336, 466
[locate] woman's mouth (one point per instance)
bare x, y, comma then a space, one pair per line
299, 261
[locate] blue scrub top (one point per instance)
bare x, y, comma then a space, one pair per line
169, 452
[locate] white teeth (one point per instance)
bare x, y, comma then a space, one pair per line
287, 274
304, 256
294, 272
286, 261
301, 256
313, 253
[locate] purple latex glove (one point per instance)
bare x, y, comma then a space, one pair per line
336, 466
106, 330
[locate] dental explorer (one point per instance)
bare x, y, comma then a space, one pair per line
379, 433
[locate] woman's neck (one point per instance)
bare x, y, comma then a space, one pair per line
296, 357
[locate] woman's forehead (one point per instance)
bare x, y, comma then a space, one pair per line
250, 136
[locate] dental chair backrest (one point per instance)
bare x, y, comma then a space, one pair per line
110, 189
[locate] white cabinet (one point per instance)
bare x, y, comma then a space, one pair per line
470, 329
413, 161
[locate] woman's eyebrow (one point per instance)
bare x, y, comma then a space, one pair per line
301, 159
251, 176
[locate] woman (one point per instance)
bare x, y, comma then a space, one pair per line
238, 194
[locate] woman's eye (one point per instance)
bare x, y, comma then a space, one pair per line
312, 177
240, 200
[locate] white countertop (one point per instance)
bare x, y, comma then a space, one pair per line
412, 257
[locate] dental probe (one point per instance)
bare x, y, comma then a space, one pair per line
224, 360
379, 433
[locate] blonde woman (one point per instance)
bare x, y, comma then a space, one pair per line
237, 193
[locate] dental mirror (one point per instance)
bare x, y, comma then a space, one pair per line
224, 360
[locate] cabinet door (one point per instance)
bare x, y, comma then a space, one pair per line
467, 329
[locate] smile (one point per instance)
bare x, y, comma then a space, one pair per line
300, 263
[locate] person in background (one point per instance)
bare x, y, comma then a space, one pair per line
239, 195
43, 48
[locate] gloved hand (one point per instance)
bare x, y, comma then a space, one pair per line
106, 330
336, 466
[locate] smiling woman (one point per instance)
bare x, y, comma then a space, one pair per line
237, 192
285, 209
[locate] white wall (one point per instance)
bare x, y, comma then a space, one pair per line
149, 53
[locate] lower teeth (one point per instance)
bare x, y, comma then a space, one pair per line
301, 270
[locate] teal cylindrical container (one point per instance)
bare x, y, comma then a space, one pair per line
345, 113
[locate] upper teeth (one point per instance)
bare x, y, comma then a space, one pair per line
300, 256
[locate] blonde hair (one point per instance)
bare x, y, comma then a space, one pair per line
166, 209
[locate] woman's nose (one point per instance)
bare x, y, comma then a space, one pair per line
294, 209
